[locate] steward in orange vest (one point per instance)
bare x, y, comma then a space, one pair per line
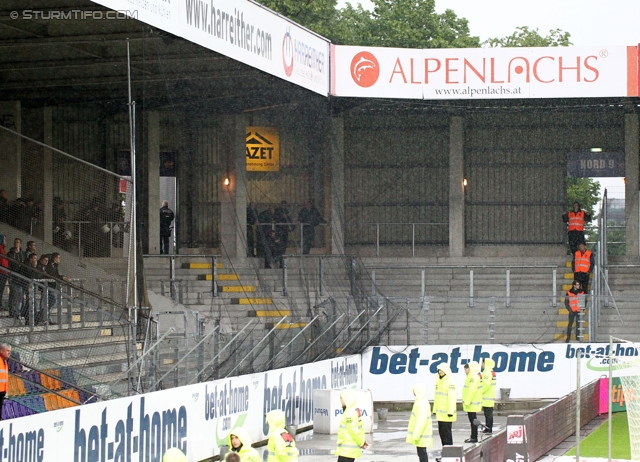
5, 353
575, 220
572, 302
582, 265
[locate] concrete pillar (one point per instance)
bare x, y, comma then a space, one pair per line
456, 188
11, 149
632, 183
233, 197
47, 172
336, 151
152, 120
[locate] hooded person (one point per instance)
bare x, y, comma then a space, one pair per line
174, 455
488, 392
281, 445
472, 397
240, 442
444, 403
351, 439
420, 431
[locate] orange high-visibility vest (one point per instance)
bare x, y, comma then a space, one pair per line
574, 301
582, 261
576, 221
4, 376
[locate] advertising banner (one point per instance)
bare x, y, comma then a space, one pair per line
483, 73
242, 30
530, 371
263, 149
195, 418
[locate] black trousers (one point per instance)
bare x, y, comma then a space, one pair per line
422, 454
164, 244
2, 395
583, 279
488, 417
573, 316
444, 429
345, 459
474, 430
575, 238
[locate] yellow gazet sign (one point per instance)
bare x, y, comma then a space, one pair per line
263, 149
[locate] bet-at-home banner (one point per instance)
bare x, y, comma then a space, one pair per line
530, 371
196, 418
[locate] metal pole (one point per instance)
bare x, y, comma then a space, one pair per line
377, 239
578, 356
284, 276
610, 399
508, 301
373, 282
554, 301
321, 275
422, 283
471, 288
413, 240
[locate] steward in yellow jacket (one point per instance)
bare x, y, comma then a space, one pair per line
488, 392
420, 431
282, 445
240, 442
444, 403
351, 438
472, 397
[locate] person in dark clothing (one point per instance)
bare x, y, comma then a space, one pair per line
95, 240
166, 218
30, 271
4, 206
273, 250
582, 265
575, 220
309, 217
252, 219
4, 263
16, 256
265, 224
572, 302
59, 224
284, 224
53, 271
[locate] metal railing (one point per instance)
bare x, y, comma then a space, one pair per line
403, 234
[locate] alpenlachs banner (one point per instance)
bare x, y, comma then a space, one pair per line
484, 73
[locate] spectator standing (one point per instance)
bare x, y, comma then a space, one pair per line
240, 443
30, 272
489, 381
472, 397
166, 218
351, 439
444, 403
5, 353
31, 248
582, 265
53, 270
284, 220
309, 217
273, 250
281, 446
4, 206
572, 303
266, 218
16, 257
252, 219
420, 431
59, 224
575, 220
4, 263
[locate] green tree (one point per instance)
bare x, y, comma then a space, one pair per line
585, 191
525, 37
391, 23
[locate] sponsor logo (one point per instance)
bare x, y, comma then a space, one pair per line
365, 69
287, 53
515, 434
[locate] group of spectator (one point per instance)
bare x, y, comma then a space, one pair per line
26, 266
21, 213
268, 231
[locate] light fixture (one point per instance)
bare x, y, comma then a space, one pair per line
464, 182
595, 149
226, 181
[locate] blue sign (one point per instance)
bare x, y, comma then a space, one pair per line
595, 164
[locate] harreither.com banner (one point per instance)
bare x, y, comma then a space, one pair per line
242, 30
484, 73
